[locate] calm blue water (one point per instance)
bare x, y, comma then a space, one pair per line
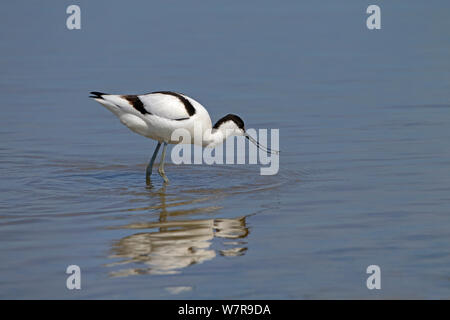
364, 178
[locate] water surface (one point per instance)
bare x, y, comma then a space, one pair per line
364, 120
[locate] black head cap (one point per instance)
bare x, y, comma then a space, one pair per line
230, 117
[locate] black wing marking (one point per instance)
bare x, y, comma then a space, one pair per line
136, 103
187, 104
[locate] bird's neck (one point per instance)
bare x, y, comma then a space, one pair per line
214, 137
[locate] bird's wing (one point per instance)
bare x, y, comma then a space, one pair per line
168, 105
165, 104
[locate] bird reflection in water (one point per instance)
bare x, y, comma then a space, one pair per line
171, 245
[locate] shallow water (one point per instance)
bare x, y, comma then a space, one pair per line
364, 179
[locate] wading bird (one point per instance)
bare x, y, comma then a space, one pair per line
158, 114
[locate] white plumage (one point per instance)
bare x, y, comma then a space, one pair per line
168, 106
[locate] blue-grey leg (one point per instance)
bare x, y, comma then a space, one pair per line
161, 164
148, 170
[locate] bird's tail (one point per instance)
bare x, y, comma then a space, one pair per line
97, 95
118, 103
112, 102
